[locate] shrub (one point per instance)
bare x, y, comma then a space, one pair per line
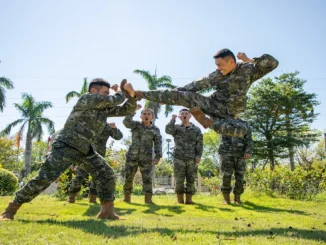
300, 184
8, 182
213, 184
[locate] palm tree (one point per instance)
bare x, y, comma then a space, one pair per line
33, 120
5, 83
154, 83
83, 90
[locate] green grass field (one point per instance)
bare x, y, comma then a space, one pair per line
261, 220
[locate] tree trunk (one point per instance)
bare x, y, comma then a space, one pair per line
291, 156
270, 153
290, 148
28, 153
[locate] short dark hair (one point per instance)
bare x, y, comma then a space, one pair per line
224, 53
98, 82
147, 109
184, 109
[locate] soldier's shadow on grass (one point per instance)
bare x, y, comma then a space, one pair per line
258, 208
94, 209
152, 209
112, 229
207, 208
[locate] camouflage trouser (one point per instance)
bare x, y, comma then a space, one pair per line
228, 165
215, 109
185, 169
146, 170
77, 182
58, 161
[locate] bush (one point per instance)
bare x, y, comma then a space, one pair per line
300, 184
8, 182
213, 185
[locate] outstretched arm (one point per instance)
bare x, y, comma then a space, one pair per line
129, 107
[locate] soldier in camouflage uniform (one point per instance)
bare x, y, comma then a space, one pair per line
231, 81
145, 137
233, 153
188, 149
110, 130
75, 143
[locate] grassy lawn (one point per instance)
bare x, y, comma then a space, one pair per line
261, 220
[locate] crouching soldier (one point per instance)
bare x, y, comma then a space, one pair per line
145, 137
188, 149
110, 130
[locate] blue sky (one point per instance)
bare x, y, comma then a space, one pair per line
47, 47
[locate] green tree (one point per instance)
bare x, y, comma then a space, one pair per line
5, 83
73, 94
32, 119
280, 113
8, 154
210, 159
154, 83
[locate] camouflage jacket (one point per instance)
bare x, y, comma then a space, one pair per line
188, 141
87, 120
236, 146
142, 141
108, 132
231, 89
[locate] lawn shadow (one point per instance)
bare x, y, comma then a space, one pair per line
258, 208
94, 209
152, 209
206, 208
103, 228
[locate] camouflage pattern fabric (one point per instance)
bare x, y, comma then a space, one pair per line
146, 170
75, 143
185, 169
188, 144
140, 153
232, 151
188, 141
229, 97
100, 146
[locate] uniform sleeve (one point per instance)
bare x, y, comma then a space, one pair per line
96, 101
248, 141
203, 83
158, 145
199, 144
170, 127
116, 134
128, 122
127, 108
263, 65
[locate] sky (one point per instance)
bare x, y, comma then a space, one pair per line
48, 47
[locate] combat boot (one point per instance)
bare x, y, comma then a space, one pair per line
227, 199
148, 199
180, 198
72, 198
200, 116
10, 211
189, 199
107, 211
237, 199
127, 197
92, 198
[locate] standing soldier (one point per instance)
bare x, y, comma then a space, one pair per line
75, 143
231, 81
110, 130
188, 149
145, 137
234, 152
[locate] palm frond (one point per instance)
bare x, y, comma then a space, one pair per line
168, 109
6, 83
164, 79
85, 87
7, 130
71, 95
166, 85
147, 76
